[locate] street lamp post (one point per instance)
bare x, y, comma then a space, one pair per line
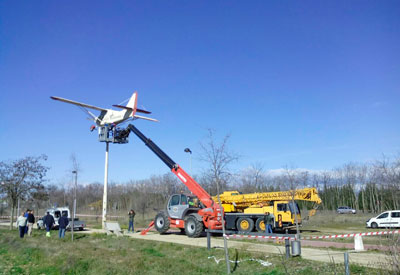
104, 217
187, 150
73, 217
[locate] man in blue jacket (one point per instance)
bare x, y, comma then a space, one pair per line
62, 225
48, 220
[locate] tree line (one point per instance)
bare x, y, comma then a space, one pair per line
367, 187
372, 187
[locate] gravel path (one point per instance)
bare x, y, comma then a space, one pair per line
315, 254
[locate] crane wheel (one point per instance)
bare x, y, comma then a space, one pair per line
245, 225
161, 222
260, 225
193, 227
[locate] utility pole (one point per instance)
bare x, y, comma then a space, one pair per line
73, 216
104, 219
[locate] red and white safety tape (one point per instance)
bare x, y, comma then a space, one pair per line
352, 235
237, 236
99, 216
78, 215
377, 233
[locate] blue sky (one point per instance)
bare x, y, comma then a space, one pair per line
312, 84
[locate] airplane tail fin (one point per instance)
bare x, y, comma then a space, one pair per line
132, 105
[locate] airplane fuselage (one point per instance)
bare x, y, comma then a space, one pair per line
113, 117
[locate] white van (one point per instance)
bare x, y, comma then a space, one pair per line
385, 219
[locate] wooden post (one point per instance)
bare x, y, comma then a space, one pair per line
208, 240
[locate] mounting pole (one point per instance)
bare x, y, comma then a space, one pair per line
73, 216
104, 219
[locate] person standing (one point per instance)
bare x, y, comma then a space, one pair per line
48, 221
21, 224
62, 225
268, 221
131, 219
31, 222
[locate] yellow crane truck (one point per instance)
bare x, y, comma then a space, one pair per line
246, 212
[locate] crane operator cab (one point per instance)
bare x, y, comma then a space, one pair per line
180, 204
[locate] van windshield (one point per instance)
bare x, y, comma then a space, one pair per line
384, 215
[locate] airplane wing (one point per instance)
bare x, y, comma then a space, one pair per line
128, 108
146, 118
77, 103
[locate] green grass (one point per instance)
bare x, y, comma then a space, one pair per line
102, 254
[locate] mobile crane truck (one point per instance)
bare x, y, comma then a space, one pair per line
194, 212
251, 208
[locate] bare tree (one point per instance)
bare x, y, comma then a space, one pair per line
21, 177
219, 158
39, 197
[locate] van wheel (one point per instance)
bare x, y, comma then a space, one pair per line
245, 225
374, 225
161, 222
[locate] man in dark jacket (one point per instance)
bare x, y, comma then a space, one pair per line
268, 221
131, 220
31, 222
62, 225
48, 221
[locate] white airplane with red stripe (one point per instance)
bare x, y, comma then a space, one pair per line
109, 116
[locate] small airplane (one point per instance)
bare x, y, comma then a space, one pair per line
109, 116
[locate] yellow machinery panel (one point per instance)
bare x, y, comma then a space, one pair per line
259, 210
